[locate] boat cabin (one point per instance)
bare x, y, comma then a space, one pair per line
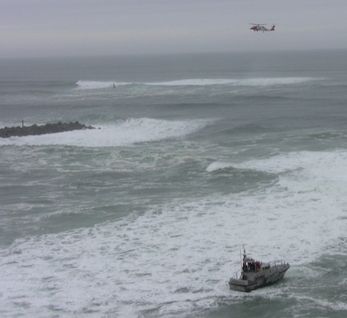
250, 265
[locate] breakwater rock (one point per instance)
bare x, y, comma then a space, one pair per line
52, 128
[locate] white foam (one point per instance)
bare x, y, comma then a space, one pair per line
329, 166
179, 257
333, 306
218, 165
235, 82
99, 84
274, 81
195, 82
127, 132
254, 82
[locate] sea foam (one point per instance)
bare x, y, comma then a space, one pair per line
122, 133
178, 257
253, 82
218, 165
99, 84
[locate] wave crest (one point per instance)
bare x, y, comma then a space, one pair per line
99, 84
122, 133
253, 82
218, 165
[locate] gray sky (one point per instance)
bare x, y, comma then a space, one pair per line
109, 27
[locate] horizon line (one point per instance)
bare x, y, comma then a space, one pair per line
123, 55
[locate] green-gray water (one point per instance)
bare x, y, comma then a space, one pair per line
195, 156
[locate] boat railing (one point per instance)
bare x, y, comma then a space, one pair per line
277, 263
264, 265
237, 275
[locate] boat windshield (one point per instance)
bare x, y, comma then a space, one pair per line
250, 265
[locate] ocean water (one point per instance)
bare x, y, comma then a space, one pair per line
194, 156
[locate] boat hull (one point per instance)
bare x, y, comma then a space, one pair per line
259, 279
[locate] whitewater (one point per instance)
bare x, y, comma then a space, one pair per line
271, 81
145, 215
120, 133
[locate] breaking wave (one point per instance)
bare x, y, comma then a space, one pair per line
122, 133
253, 82
185, 253
218, 165
99, 84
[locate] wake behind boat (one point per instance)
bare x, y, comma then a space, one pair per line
256, 274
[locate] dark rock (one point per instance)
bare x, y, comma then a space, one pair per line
49, 128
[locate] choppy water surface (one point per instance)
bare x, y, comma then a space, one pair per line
193, 157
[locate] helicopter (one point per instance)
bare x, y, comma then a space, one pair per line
256, 27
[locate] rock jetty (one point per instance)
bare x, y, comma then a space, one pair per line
52, 128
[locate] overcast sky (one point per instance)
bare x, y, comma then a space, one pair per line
110, 27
